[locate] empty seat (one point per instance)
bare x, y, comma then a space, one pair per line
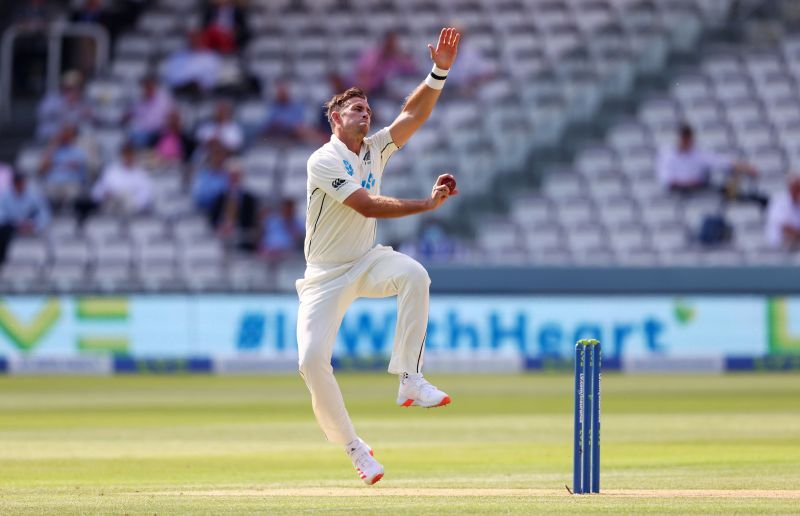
30, 251
146, 229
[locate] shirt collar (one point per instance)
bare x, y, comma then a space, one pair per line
341, 147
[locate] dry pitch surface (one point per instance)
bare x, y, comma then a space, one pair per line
671, 444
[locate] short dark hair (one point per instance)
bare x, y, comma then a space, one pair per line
686, 131
337, 101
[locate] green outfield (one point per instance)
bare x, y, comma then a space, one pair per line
203, 444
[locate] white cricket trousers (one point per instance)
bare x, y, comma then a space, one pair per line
325, 296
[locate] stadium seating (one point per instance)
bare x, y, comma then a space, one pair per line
564, 59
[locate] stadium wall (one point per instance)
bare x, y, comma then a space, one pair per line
478, 333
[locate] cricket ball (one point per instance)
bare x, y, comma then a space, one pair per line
450, 183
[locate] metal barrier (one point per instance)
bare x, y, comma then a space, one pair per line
55, 35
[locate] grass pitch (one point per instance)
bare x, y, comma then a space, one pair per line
204, 444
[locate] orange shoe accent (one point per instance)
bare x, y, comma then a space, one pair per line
445, 401
408, 403
375, 480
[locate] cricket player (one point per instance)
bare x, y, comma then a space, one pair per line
343, 262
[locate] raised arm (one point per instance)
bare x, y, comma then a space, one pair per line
420, 103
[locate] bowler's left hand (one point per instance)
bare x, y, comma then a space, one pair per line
446, 49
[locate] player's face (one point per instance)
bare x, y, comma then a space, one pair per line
356, 116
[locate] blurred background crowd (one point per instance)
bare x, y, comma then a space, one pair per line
161, 144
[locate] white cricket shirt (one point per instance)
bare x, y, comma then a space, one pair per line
782, 211
335, 233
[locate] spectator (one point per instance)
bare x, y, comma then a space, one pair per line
687, 169
210, 179
174, 144
66, 106
234, 211
224, 26
23, 210
286, 117
125, 186
193, 70
148, 115
222, 128
378, 64
6, 175
434, 244
783, 217
282, 232
64, 167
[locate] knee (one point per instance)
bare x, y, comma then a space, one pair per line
312, 362
416, 275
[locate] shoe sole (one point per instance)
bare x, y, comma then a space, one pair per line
412, 403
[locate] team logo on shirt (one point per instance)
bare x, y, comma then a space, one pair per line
337, 183
348, 167
367, 158
369, 182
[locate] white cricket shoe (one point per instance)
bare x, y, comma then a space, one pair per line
369, 469
416, 391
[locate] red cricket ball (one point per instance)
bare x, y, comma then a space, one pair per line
450, 183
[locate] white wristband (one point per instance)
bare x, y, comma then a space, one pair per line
436, 78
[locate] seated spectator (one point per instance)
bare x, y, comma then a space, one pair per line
64, 167
6, 175
210, 178
173, 144
783, 217
282, 232
687, 169
23, 211
234, 212
224, 26
378, 64
125, 186
286, 117
148, 115
434, 244
66, 106
193, 70
222, 128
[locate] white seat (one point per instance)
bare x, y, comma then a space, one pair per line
589, 238
113, 253
142, 230
627, 239
575, 212
596, 161
206, 252
71, 251
101, 229
31, 251
191, 229
499, 237
618, 212
156, 253
563, 184
669, 238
